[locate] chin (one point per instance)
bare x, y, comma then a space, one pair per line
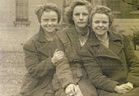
50, 31
100, 33
82, 26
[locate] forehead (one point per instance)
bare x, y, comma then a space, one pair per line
49, 14
80, 8
100, 16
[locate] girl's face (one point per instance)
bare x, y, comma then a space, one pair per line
80, 16
49, 20
100, 24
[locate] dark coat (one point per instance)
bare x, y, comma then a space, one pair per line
38, 80
108, 67
69, 69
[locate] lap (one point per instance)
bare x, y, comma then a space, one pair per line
85, 86
106, 93
134, 92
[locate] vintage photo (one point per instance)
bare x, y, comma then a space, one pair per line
69, 47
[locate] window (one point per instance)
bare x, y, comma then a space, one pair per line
21, 12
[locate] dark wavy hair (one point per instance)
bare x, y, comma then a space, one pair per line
69, 12
46, 8
101, 10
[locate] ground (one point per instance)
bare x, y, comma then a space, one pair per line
12, 67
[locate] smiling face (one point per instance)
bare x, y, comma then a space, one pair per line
80, 16
49, 20
100, 24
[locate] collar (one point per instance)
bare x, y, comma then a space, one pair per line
41, 35
112, 36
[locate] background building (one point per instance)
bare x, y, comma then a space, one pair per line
121, 8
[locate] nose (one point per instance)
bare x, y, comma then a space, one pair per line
49, 22
100, 24
81, 17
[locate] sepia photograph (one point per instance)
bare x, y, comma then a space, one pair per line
69, 47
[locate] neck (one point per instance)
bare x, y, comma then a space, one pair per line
102, 37
49, 36
82, 31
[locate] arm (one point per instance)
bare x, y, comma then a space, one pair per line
35, 67
95, 74
63, 70
132, 61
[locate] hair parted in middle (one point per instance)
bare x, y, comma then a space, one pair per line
69, 12
102, 10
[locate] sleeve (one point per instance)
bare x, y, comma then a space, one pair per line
63, 70
95, 73
35, 67
132, 61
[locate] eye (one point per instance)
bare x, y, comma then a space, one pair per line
53, 20
77, 14
85, 14
96, 22
46, 20
104, 22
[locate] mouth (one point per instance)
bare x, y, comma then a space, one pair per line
101, 28
81, 22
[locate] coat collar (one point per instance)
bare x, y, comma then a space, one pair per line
73, 36
112, 37
41, 36
100, 50
43, 45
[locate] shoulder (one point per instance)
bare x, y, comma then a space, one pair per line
63, 31
63, 34
117, 35
31, 42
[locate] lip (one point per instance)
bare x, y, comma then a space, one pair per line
81, 22
102, 28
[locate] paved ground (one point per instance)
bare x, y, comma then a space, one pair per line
12, 58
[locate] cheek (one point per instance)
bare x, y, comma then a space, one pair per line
43, 23
55, 23
94, 25
73, 18
87, 18
107, 26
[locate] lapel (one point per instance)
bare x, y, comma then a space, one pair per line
115, 43
74, 42
42, 44
73, 36
99, 50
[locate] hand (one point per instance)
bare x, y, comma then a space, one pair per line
130, 84
124, 88
57, 56
71, 90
